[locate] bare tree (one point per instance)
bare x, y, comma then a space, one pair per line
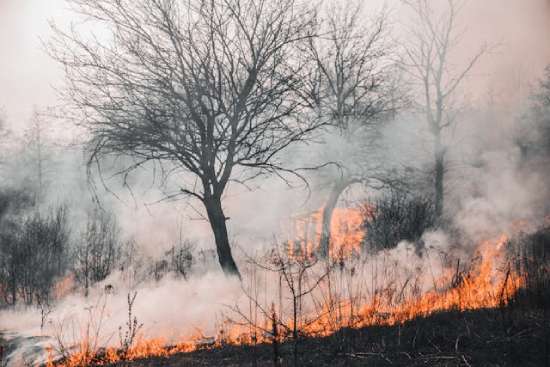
99, 249
4, 135
33, 255
13, 203
352, 90
428, 61
295, 274
533, 135
204, 87
299, 277
181, 258
36, 154
129, 333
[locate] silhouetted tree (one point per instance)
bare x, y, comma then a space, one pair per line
36, 155
99, 250
534, 134
33, 255
352, 89
428, 61
205, 87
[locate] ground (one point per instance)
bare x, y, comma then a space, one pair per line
505, 337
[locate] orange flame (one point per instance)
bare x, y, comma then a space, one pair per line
489, 283
346, 233
482, 287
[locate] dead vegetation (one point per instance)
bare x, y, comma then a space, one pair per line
475, 338
322, 318
213, 93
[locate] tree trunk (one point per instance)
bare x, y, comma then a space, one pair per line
13, 292
217, 220
337, 190
439, 176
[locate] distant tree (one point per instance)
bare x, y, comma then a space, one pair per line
13, 203
535, 135
181, 258
4, 134
44, 243
133, 264
428, 61
37, 155
352, 89
543, 109
544, 94
33, 255
204, 87
99, 249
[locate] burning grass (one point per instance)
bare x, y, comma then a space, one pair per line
485, 337
329, 297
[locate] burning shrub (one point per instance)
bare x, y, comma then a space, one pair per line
395, 217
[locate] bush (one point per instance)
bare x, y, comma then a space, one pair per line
178, 260
33, 254
395, 217
99, 250
13, 202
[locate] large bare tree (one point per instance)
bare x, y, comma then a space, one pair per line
206, 87
352, 91
429, 61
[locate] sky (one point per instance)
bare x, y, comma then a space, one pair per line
27, 74
519, 30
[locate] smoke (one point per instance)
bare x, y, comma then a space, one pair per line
489, 186
171, 310
517, 32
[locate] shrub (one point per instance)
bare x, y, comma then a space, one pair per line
97, 253
33, 255
178, 260
395, 217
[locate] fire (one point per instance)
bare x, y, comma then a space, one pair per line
143, 348
346, 233
484, 286
487, 283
